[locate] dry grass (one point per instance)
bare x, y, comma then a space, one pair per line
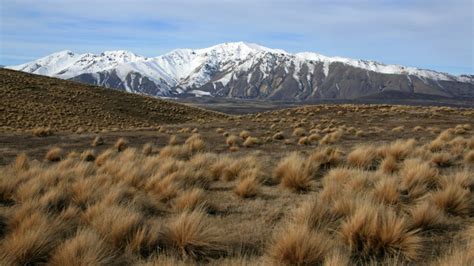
290, 173
97, 141
299, 246
121, 144
248, 187
42, 132
388, 202
54, 154
192, 235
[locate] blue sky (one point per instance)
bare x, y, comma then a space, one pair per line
427, 34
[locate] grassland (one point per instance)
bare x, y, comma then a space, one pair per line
312, 185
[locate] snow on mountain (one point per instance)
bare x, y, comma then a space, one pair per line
228, 69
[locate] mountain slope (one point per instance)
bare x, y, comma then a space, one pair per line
243, 70
30, 101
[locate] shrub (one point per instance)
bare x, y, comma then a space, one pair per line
195, 143
363, 157
88, 156
425, 216
454, 200
299, 132
251, 141
190, 199
42, 132
278, 136
21, 162
378, 232
232, 140
314, 137
244, 134
173, 140
417, 175
290, 172
247, 187
190, 234
299, 246
469, 158
97, 141
85, 248
398, 129
147, 148
303, 141
389, 165
54, 154
121, 144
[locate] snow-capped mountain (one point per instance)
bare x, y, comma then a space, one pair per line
244, 70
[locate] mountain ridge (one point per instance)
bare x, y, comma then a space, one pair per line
246, 70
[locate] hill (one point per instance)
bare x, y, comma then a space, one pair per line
30, 101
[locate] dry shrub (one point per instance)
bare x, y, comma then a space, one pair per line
386, 191
173, 140
278, 136
251, 141
454, 200
247, 187
299, 132
195, 143
389, 165
97, 141
42, 132
21, 162
304, 141
363, 157
398, 129
104, 157
121, 144
290, 172
191, 234
378, 232
232, 140
299, 246
220, 130
244, 134
418, 129
360, 133
88, 156
331, 138
32, 239
190, 199
315, 137
163, 189
86, 248
147, 149
54, 154
176, 151
116, 223
314, 214
442, 159
399, 149
469, 158
425, 216
417, 177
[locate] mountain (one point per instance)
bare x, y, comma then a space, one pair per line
249, 71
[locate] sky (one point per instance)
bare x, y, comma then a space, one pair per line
430, 34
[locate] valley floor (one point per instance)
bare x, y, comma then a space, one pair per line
323, 184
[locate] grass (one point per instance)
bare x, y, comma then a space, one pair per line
383, 198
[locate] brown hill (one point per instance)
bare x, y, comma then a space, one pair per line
32, 101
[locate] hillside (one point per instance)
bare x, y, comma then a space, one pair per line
248, 71
31, 101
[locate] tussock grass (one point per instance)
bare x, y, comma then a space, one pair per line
121, 144
54, 154
379, 232
299, 246
248, 187
363, 157
191, 234
290, 173
42, 132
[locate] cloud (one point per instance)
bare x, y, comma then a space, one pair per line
417, 32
